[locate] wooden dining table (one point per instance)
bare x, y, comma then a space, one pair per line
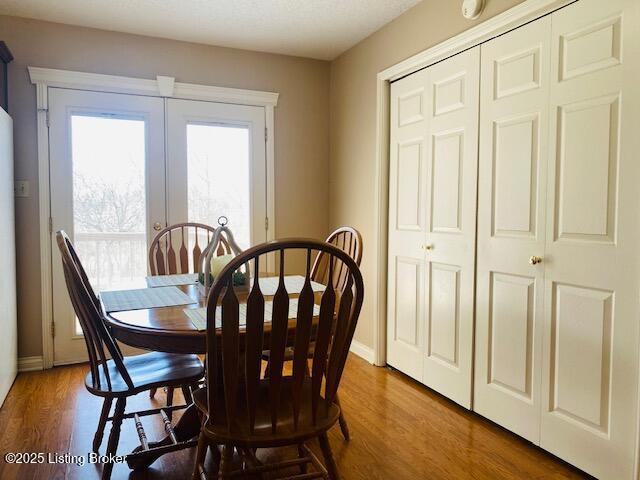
169, 329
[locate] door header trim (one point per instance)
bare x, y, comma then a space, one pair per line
162, 86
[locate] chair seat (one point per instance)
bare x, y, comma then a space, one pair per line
263, 436
149, 370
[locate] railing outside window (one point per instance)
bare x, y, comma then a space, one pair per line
113, 260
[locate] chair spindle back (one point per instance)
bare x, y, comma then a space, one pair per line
347, 239
163, 259
238, 358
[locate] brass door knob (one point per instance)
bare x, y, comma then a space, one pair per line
534, 260
428, 246
157, 226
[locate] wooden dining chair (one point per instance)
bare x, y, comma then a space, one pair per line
120, 377
243, 410
163, 259
349, 240
189, 240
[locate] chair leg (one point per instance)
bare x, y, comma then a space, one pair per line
114, 435
104, 414
330, 463
301, 454
343, 422
226, 461
186, 393
152, 392
170, 401
215, 453
201, 454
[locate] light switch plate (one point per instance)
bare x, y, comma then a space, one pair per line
21, 188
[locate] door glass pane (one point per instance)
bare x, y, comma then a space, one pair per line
109, 205
218, 177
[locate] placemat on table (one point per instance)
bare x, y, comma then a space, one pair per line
119, 300
169, 280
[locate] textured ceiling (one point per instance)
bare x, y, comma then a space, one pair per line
310, 28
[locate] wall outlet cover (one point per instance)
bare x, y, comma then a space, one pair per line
21, 188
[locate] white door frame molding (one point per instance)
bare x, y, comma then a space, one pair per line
513, 18
162, 86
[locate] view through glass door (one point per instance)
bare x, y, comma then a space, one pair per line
216, 166
113, 185
108, 192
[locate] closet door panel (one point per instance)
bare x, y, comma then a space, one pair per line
511, 227
452, 152
589, 408
511, 334
407, 224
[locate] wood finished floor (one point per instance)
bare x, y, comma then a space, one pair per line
400, 430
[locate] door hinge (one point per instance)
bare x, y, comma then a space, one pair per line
48, 119
53, 329
266, 223
50, 225
46, 115
266, 133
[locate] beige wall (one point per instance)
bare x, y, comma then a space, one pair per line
353, 118
301, 124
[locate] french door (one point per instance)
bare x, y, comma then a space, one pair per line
124, 166
209, 147
107, 191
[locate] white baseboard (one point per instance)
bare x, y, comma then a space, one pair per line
30, 364
73, 361
362, 351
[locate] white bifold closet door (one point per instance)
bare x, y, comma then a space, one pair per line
557, 342
407, 229
558, 231
592, 288
514, 121
432, 223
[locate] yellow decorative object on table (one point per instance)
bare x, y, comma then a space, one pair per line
218, 263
